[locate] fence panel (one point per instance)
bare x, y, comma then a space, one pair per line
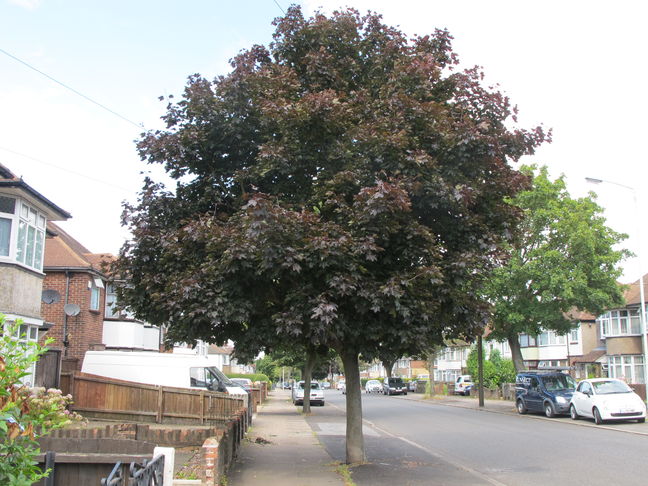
99, 397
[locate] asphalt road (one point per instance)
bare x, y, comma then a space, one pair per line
412, 443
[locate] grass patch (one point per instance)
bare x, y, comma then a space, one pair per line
345, 473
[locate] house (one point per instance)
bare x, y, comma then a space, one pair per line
620, 330
86, 316
24, 214
122, 331
74, 275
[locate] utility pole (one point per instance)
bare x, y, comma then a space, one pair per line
480, 367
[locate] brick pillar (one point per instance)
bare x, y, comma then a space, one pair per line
210, 457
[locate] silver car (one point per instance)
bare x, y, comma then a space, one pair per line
316, 394
373, 386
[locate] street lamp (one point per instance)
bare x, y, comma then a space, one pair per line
642, 313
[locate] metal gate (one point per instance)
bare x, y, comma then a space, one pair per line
149, 473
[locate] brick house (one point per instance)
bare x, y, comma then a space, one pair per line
74, 274
24, 213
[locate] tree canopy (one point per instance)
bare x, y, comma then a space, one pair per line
562, 259
344, 186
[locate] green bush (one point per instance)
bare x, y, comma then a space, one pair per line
25, 414
253, 376
497, 370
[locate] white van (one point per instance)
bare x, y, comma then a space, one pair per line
165, 369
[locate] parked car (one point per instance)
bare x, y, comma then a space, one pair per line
342, 386
548, 392
606, 399
244, 383
316, 394
463, 384
286, 385
325, 385
412, 385
394, 386
373, 386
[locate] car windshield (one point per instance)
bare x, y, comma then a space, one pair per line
610, 387
314, 386
373, 382
559, 382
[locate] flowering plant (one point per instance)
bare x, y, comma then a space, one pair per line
25, 414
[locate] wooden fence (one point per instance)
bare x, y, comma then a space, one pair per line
111, 399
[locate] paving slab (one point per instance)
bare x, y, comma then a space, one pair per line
281, 448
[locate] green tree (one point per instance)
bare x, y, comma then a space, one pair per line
563, 257
343, 188
268, 367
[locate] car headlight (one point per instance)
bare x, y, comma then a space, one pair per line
562, 400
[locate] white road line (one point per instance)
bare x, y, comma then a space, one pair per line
456, 464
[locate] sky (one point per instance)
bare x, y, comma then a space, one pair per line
577, 67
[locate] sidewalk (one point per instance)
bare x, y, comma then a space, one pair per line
490, 405
282, 449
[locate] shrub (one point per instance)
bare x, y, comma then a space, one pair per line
25, 414
252, 376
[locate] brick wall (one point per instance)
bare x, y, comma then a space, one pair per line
85, 329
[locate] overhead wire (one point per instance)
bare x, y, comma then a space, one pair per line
76, 92
100, 181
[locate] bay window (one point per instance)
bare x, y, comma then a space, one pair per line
626, 367
623, 322
22, 232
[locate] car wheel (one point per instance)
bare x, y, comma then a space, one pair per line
597, 417
573, 413
549, 410
405, 393
521, 408
641, 420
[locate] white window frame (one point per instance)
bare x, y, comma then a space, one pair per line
95, 294
552, 339
25, 218
574, 335
628, 367
620, 322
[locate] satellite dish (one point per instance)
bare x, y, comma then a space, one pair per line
71, 309
50, 296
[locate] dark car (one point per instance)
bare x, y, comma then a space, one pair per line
394, 386
548, 392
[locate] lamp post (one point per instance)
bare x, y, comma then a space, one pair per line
642, 312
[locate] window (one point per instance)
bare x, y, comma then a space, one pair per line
527, 341
7, 210
550, 338
626, 367
574, 335
95, 293
27, 333
31, 237
623, 322
111, 300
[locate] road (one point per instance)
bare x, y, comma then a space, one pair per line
409, 442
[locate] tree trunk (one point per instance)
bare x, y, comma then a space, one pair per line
311, 357
388, 365
354, 438
516, 352
431, 358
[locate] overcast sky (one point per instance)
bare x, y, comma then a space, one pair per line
578, 67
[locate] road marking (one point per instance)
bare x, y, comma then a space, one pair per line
457, 464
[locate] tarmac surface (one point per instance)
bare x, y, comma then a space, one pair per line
281, 447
